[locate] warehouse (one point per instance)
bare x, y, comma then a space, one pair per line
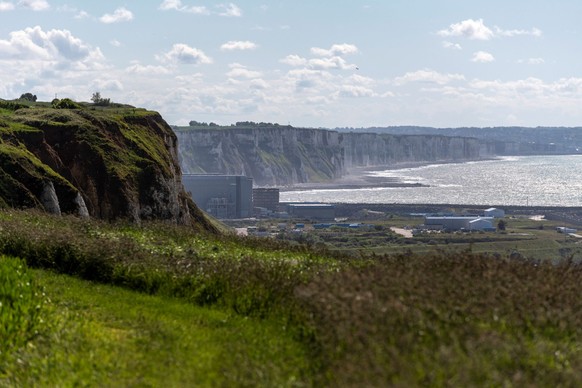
459, 223
494, 212
312, 211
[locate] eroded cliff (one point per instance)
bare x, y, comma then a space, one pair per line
282, 155
110, 163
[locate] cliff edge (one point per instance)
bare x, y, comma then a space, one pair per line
275, 155
115, 162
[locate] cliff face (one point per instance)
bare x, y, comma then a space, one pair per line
277, 155
271, 156
371, 149
109, 163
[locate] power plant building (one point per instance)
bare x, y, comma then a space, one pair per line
267, 198
222, 196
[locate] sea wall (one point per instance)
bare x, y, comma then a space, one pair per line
283, 155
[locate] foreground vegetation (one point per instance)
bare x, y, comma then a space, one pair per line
161, 305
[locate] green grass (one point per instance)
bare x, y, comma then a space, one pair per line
98, 335
259, 312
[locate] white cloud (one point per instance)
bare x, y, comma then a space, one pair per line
428, 76
259, 84
482, 57
176, 5
184, 54
54, 45
476, 29
115, 43
452, 46
355, 91
230, 10
35, 5
6, 6
136, 68
532, 61
329, 63
511, 33
82, 15
119, 15
308, 79
238, 45
294, 60
106, 84
335, 50
240, 71
170, 4
327, 58
472, 29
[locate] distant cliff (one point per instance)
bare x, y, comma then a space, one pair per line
105, 162
501, 140
283, 155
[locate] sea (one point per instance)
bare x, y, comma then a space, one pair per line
512, 181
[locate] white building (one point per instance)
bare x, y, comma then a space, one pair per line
481, 223
494, 212
459, 223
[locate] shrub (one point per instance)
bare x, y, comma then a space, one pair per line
65, 103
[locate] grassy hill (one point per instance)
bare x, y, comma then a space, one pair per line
113, 162
160, 304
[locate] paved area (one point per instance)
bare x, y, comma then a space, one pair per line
404, 232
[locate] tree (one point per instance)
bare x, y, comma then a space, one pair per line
98, 100
501, 225
28, 97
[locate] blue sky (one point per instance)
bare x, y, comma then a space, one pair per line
443, 63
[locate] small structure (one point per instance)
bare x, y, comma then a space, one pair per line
565, 230
494, 212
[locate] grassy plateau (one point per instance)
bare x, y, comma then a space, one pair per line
90, 303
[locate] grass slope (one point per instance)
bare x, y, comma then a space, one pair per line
440, 319
98, 335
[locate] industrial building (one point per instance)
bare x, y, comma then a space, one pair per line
266, 198
459, 223
222, 196
494, 212
311, 211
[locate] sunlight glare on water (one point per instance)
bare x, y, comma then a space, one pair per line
527, 180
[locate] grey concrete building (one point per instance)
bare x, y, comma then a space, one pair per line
222, 196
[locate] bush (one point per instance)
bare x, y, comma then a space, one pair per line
65, 103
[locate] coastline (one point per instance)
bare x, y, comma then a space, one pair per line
358, 177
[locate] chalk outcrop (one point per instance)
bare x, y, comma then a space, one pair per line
283, 155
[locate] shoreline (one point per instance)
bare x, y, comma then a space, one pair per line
358, 177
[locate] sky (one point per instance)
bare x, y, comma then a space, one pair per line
440, 63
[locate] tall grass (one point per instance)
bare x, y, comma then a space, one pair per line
21, 303
449, 319
440, 319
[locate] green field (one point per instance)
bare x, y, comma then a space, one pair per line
99, 304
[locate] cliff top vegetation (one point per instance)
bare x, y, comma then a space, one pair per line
197, 125
119, 160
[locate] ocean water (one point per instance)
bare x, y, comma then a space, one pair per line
523, 181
